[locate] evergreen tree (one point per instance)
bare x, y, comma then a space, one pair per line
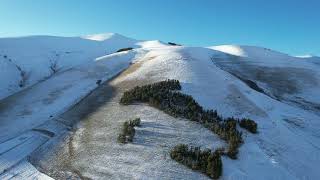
164, 96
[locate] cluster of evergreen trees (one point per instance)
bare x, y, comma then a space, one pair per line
128, 131
150, 93
248, 124
163, 96
124, 49
205, 161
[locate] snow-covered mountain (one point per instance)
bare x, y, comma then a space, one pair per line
36, 56
280, 92
293, 80
288, 140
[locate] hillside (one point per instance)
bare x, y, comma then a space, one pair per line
66, 125
39, 56
292, 80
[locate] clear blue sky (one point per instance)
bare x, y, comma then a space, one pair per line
291, 26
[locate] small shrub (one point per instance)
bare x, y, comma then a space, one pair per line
124, 49
122, 138
128, 131
205, 161
249, 125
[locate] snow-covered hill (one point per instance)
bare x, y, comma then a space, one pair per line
280, 92
37, 57
288, 141
292, 80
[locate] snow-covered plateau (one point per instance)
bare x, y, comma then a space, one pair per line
60, 113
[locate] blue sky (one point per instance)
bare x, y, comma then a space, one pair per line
290, 26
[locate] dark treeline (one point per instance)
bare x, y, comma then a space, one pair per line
201, 160
128, 131
125, 49
174, 44
162, 95
149, 93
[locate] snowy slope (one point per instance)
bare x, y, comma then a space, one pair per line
34, 55
23, 113
10, 77
313, 59
292, 80
37, 104
273, 149
279, 91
